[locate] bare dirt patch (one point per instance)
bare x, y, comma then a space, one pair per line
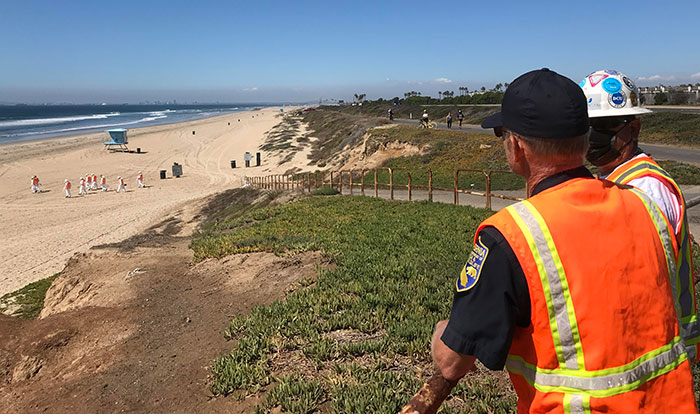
135, 326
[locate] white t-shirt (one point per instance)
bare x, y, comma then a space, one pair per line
666, 199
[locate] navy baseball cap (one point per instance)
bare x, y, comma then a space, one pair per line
542, 104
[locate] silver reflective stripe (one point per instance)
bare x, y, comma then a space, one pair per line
665, 237
692, 352
561, 315
577, 404
691, 329
641, 372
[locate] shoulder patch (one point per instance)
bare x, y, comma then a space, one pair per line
472, 269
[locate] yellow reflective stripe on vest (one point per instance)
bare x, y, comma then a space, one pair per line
639, 168
562, 319
685, 293
665, 237
606, 382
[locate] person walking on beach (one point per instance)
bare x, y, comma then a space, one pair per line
120, 184
88, 178
139, 180
460, 118
449, 119
66, 188
82, 190
103, 182
35, 184
94, 181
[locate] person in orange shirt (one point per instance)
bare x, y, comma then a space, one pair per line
88, 184
35, 184
120, 184
139, 180
571, 289
103, 182
83, 189
94, 181
66, 188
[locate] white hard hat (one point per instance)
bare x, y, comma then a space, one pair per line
66, 180
611, 93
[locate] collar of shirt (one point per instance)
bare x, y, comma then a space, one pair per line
560, 177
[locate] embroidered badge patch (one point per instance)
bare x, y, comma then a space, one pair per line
472, 269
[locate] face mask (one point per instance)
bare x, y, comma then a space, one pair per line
601, 151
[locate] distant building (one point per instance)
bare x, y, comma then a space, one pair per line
676, 95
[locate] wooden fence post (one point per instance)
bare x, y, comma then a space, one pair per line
391, 184
488, 189
350, 182
456, 175
409, 185
376, 191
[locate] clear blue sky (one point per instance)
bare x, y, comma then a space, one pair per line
91, 51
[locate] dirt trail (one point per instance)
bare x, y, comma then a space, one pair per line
134, 326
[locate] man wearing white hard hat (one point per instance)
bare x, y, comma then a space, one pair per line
103, 182
613, 109
120, 184
139, 180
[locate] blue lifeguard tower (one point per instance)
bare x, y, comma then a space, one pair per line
118, 140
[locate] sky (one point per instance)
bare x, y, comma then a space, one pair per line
298, 51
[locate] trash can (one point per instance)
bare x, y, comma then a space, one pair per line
192, 132
138, 150
162, 174
233, 163
177, 170
257, 159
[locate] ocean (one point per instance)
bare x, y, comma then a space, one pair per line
30, 122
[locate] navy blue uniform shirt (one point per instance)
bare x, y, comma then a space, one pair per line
484, 317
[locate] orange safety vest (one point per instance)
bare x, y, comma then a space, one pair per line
35, 181
68, 185
103, 181
604, 334
82, 182
89, 179
685, 296
140, 177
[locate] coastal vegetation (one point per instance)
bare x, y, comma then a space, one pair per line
671, 128
28, 301
357, 338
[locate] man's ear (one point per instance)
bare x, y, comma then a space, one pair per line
517, 147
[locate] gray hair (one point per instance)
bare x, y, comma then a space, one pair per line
558, 147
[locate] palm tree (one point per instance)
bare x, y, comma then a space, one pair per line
440, 95
499, 86
483, 89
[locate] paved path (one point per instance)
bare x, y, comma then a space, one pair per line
661, 152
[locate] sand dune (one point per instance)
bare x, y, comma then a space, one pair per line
40, 232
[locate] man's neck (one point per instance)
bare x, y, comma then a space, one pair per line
540, 174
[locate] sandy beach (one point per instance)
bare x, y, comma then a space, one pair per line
40, 232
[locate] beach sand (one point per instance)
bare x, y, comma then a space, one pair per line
40, 232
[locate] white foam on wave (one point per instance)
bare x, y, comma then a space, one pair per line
98, 126
45, 121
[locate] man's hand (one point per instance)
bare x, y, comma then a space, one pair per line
452, 365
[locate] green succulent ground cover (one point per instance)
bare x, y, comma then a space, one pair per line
28, 301
682, 173
356, 340
671, 128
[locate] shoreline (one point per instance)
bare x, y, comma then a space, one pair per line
43, 231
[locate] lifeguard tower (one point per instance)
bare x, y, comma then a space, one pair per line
118, 140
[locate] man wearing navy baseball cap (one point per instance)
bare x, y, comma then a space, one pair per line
570, 290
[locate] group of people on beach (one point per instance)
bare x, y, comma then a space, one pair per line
89, 183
